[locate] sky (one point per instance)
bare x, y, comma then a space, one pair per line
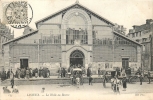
122, 12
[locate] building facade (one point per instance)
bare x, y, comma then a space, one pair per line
152, 47
143, 35
74, 35
5, 35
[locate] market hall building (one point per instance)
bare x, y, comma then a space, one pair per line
74, 35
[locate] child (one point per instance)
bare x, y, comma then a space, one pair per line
112, 82
116, 85
15, 90
5, 90
43, 90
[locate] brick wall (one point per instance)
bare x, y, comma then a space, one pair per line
47, 53
105, 53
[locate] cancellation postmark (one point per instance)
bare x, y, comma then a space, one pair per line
18, 14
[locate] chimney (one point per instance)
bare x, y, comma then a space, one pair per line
134, 26
148, 21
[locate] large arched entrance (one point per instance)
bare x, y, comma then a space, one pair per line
77, 58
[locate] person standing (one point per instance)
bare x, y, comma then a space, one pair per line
48, 73
88, 72
116, 85
64, 72
8, 74
112, 82
12, 82
124, 80
59, 72
5, 75
90, 80
40, 72
36, 72
140, 79
30, 73
99, 72
27, 73
104, 79
149, 76
12, 78
18, 73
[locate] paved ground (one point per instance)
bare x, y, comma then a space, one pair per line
69, 92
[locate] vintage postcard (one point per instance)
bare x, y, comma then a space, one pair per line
76, 49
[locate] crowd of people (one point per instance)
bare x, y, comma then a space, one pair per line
25, 73
77, 76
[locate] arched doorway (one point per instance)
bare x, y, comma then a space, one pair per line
77, 58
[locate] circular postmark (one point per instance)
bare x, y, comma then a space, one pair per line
18, 14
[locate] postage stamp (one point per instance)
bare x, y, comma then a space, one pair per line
18, 14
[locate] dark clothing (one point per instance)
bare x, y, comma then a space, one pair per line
99, 72
149, 77
3, 76
90, 80
8, 74
40, 72
140, 80
12, 82
88, 72
104, 81
124, 83
64, 72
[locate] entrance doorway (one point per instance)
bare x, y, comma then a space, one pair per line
77, 58
125, 63
24, 63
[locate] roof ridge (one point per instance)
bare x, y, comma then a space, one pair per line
69, 7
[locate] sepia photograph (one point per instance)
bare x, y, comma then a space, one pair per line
76, 49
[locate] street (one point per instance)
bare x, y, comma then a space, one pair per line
67, 91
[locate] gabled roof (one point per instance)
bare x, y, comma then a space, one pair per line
21, 37
71, 6
126, 38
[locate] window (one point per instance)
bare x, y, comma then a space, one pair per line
133, 35
51, 38
140, 34
72, 35
136, 34
144, 39
137, 40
